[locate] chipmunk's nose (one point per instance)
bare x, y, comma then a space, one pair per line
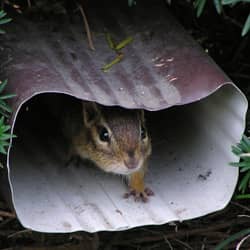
131, 162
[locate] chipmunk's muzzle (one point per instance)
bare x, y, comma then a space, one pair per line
131, 163
131, 160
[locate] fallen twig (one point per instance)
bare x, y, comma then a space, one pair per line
19, 233
7, 214
29, 3
232, 20
183, 244
86, 24
240, 205
182, 233
5, 222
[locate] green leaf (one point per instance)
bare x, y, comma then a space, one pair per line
4, 113
242, 196
244, 146
226, 2
233, 2
5, 20
2, 85
5, 128
2, 150
244, 169
5, 143
244, 182
246, 140
232, 238
1, 120
2, 14
124, 43
131, 3
5, 137
5, 107
246, 26
239, 164
4, 97
236, 150
108, 66
218, 6
199, 5
110, 41
196, 3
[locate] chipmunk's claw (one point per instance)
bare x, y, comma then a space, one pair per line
139, 195
149, 191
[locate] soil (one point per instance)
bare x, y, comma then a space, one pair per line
220, 36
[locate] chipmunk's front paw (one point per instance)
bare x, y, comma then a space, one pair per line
139, 195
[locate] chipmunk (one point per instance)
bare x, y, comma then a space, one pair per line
116, 140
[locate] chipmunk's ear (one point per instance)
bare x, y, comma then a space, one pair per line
91, 113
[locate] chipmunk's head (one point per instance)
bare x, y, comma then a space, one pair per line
117, 138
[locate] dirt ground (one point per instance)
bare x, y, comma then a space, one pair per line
220, 36
202, 233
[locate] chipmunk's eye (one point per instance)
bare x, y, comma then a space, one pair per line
103, 134
143, 133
